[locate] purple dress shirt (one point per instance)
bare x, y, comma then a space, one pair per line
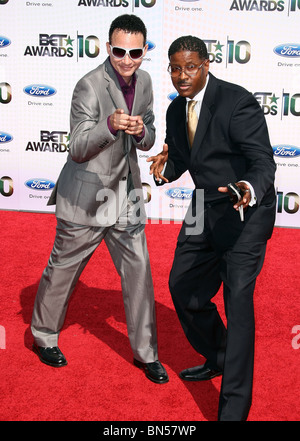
128, 91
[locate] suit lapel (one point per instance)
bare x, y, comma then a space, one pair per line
205, 116
179, 123
117, 97
113, 87
138, 93
204, 119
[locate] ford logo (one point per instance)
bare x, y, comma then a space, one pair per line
5, 137
172, 96
39, 184
179, 193
288, 50
4, 41
39, 90
286, 151
151, 45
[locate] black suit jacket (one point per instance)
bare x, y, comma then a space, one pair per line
231, 144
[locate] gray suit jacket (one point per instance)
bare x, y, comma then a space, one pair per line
93, 183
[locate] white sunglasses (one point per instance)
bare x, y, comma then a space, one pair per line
120, 52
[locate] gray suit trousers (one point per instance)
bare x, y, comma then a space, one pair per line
73, 247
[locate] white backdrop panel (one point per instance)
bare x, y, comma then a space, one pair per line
47, 46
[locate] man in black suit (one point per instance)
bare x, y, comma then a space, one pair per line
231, 145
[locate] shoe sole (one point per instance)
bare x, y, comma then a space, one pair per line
139, 365
48, 363
200, 379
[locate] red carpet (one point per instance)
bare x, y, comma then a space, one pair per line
100, 382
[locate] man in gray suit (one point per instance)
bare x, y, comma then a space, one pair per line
99, 196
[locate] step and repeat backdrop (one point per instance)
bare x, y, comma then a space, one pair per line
47, 46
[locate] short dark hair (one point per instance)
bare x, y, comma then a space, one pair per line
128, 23
189, 43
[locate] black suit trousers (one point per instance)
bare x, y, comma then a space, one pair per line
201, 264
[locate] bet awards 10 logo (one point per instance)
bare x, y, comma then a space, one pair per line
54, 142
117, 3
270, 106
231, 52
287, 202
62, 45
5, 93
6, 186
265, 6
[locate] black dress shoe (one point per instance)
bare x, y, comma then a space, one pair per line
199, 373
154, 371
50, 355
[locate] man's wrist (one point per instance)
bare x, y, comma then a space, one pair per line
111, 129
